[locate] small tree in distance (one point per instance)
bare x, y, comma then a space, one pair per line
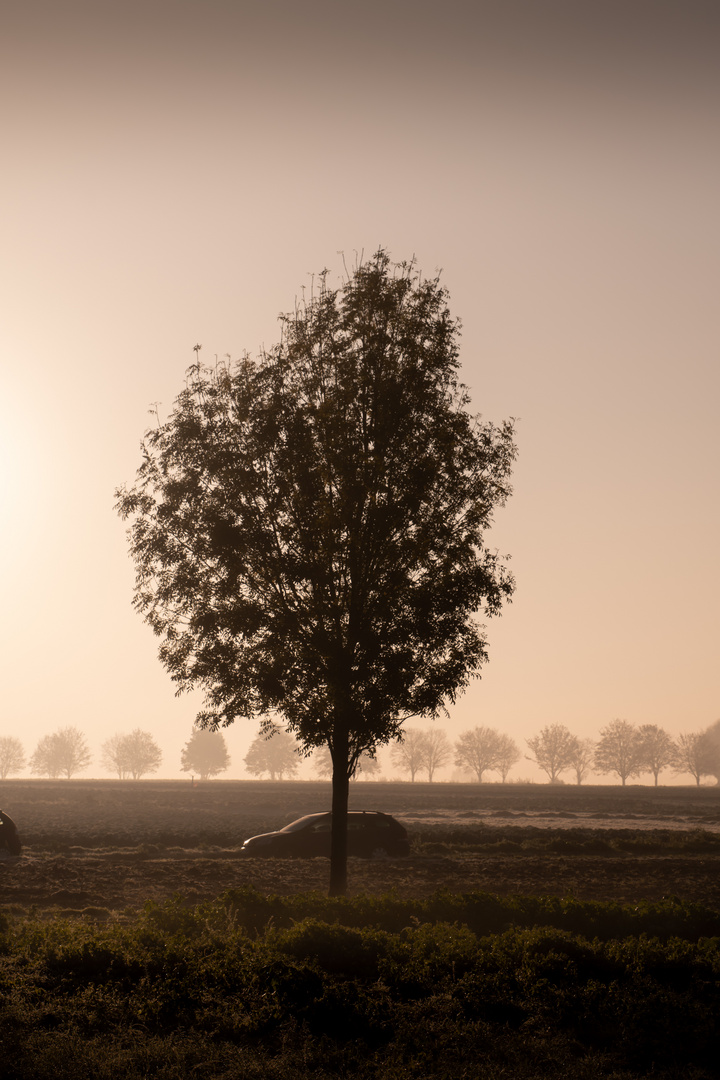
583, 757
64, 753
438, 751
276, 754
619, 750
691, 756
205, 753
131, 755
409, 753
508, 755
12, 756
710, 750
657, 749
479, 751
553, 750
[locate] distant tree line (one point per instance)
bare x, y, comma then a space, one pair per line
622, 749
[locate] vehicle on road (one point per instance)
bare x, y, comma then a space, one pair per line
370, 833
9, 838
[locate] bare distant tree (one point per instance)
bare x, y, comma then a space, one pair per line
508, 755
479, 751
692, 756
131, 755
410, 752
63, 753
275, 753
205, 753
438, 750
367, 766
582, 758
619, 750
553, 750
12, 756
657, 748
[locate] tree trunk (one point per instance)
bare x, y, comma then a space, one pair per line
338, 837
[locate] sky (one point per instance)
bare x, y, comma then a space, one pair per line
174, 172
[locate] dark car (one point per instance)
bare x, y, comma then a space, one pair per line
9, 839
369, 833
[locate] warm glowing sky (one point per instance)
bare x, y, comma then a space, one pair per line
173, 170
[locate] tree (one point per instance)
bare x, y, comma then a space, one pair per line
12, 756
619, 750
692, 755
437, 751
657, 749
205, 753
553, 750
583, 758
508, 755
276, 754
480, 750
710, 750
309, 529
366, 765
131, 755
410, 752
63, 753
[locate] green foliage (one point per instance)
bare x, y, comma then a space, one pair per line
378, 987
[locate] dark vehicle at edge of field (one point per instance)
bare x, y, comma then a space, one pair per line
370, 833
9, 837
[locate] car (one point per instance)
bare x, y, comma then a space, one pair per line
9, 839
370, 833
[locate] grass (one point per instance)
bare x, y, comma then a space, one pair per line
470, 985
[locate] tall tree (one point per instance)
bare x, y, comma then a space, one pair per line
64, 753
205, 753
409, 754
710, 750
657, 749
619, 750
309, 529
480, 750
275, 753
12, 756
553, 750
131, 755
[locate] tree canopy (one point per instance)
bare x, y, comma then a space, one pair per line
274, 753
309, 528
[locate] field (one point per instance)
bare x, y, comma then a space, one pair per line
534, 933
112, 845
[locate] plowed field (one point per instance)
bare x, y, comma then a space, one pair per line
107, 846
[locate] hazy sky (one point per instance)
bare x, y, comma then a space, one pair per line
174, 170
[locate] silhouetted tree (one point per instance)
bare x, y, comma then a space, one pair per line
480, 750
276, 754
64, 753
553, 750
309, 530
410, 752
619, 750
132, 755
583, 757
12, 756
205, 753
657, 749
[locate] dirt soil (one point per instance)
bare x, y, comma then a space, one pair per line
107, 846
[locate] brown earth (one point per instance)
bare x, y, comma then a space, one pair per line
101, 846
